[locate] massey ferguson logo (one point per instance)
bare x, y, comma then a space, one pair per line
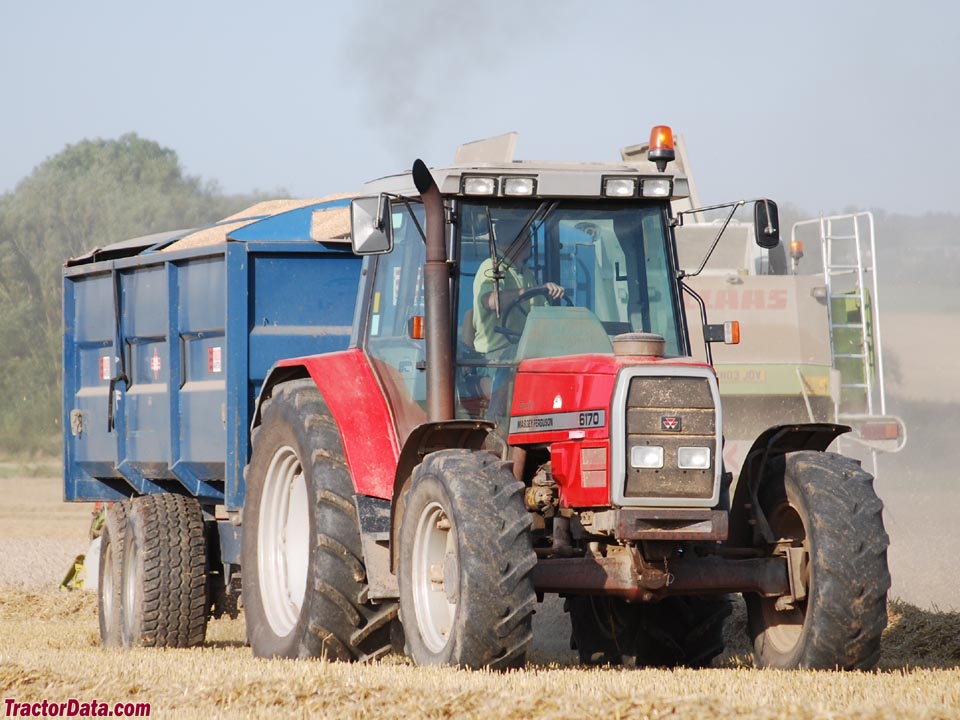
671, 423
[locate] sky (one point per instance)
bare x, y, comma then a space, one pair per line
822, 105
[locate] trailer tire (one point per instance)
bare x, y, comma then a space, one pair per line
164, 573
676, 631
109, 589
826, 504
465, 563
306, 598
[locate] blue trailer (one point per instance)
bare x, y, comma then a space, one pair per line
165, 350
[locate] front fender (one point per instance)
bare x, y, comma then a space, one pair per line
427, 438
747, 522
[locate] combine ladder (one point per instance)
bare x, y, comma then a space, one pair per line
853, 312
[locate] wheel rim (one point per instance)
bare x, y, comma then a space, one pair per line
132, 554
435, 576
783, 628
283, 541
106, 587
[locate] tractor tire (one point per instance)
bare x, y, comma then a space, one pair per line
109, 590
304, 581
676, 631
826, 504
465, 563
164, 573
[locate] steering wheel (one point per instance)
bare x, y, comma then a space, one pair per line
512, 335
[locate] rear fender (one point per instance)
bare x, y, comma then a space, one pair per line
425, 439
748, 525
357, 403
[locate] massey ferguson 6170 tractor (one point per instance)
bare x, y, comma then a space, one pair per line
518, 414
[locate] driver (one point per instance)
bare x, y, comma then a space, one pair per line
518, 283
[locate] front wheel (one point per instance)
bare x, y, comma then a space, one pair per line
822, 507
465, 563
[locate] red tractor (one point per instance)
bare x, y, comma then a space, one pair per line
518, 414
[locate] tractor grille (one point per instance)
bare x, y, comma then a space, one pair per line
670, 412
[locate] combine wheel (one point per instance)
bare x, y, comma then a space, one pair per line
465, 563
111, 574
164, 598
825, 505
304, 582
676, 631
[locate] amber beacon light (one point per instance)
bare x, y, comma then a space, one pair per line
661, 147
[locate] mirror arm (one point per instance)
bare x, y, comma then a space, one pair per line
703, 317
733, 208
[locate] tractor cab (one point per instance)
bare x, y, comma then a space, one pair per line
545, 260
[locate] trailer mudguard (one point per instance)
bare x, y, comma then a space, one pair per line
351, 390
746, 518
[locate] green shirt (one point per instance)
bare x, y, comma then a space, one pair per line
485, 320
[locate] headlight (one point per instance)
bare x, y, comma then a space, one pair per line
693, 458
619, 187
479, 185
646, 456
656, 187
519, 186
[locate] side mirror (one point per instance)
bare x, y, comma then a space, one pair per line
766, 223
371, 226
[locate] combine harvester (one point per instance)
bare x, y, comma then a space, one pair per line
500, 402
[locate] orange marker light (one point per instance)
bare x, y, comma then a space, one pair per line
416, 327
796, 249
661, 138
731, 332
661, 147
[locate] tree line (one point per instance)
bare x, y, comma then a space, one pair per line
93, 193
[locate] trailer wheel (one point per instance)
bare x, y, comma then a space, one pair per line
111, 574
164, 602
825, 504
465, 563
304, 582
676, 631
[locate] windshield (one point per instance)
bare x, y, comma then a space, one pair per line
603, 262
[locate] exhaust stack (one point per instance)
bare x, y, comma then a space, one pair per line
436, 289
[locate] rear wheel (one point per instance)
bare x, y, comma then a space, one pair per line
304, 582
465, 563
164, 598
824, 508
676, 631
111, 574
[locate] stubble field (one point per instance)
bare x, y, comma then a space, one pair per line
49, 650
